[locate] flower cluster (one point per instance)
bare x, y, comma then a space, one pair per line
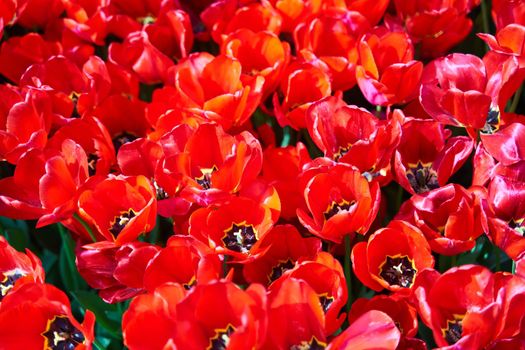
274, 174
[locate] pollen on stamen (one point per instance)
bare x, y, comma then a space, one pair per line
240, 237
398, 271
205, 179
221, 339
8, 281
422, 177
454, 330
119, 222
337, 207
60, 334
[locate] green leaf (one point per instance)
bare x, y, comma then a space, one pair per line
66, 263
472, 256
103, 311
48, 261
16, 233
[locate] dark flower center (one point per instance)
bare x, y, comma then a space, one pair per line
492, 122
92, 160
325, 301
398, 325
341, 152
221, 339
60, 334
122, 138
8, 281
453, 331
422, 177
205, 179
159, 191
121, 221
190, 283
335, 208
313, 344
240, 237
517, 225
398, 271
279, 269
74, 98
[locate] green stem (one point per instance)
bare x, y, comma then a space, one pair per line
399, 199
516, 99
379, 109
225, 265
453, 260
286, 136
495, 251
98, 345
69, 252
485, 17
513, 267
348, 276
86, 226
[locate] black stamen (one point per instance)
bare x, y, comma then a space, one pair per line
326, 301
8, 282
240, 238
453, 331
62, 335
335, 208
221, 339
122, 138
398, 271
279, 269
422, 178
313, 344
121, 221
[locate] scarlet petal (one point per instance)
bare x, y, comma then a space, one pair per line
375, 330
507, 145
360, 267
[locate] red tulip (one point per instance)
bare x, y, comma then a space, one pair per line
234, 227
260, 53
349, 134
325, 275
465, 91
224, 17
220, 314
506, 12
196, 264
285, 247
214, 85
117, 272
436, 25
450, 217
470, 307
295, 317
332, 36
392, 257
340, 202
373, 330
17, 269
140, 56
281, 167
38, 316
402, 313
150, 321
119, 208
387, 73
426, 157
506, 214
303, 83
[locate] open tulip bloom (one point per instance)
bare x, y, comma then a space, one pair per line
262, 174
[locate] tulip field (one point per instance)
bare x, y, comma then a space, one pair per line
262, 174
